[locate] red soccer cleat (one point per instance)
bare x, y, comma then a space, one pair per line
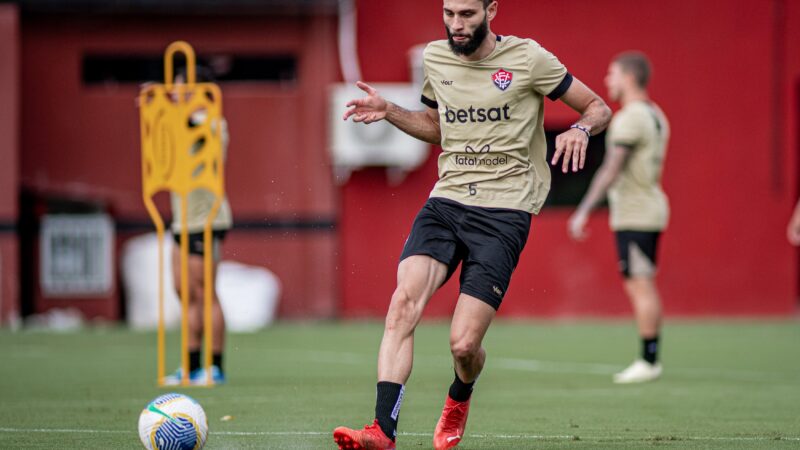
450, 428
370, 438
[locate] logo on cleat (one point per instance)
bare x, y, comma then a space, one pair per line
453, 438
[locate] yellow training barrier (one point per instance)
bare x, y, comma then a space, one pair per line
180, 157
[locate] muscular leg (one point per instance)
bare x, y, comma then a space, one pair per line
418, 277
471, 319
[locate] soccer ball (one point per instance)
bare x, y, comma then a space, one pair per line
174, 422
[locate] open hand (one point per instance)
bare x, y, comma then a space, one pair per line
576, 226
572, 144
371, 108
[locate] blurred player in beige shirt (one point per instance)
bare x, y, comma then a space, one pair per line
636, 144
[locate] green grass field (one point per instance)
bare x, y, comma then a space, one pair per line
727, 384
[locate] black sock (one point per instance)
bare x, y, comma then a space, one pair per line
194, 360
650, 349
387, 406
460, 391
217, 360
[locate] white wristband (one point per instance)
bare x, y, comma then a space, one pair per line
582, 128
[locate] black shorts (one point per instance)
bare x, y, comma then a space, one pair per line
637, 252
196, 246
487, 241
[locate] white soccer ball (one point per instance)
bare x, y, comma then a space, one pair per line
173, 422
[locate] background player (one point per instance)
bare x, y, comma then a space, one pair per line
484, 95
199, 207
636, 145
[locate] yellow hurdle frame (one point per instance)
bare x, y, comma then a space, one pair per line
168, 164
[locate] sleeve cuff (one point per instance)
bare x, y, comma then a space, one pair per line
561, 88
429, 103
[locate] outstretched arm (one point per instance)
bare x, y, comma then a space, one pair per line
423, 125
595, 115
612, 165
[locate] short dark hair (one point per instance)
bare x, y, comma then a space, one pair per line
486, 3
637, 64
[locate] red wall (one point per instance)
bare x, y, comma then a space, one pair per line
791, 108
725, 252
83, 141
9, 149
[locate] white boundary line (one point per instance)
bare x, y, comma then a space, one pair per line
60, 431
541, 366
473, 436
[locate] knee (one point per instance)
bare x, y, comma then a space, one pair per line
640, 288
196, 291
195, 294
404, 310
465, 349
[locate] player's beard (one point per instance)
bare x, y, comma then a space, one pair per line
472, 43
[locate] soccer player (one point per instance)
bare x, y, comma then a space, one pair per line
484, 95
636, 144
199, 207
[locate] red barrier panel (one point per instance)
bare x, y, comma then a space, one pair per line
725, 252
731, 186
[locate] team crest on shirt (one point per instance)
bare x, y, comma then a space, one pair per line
502, 79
